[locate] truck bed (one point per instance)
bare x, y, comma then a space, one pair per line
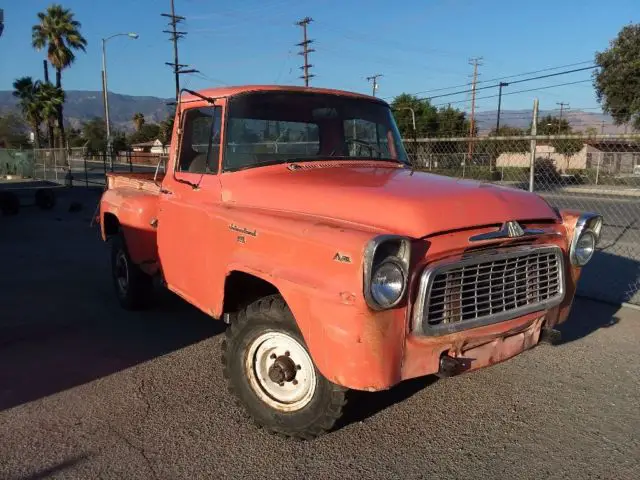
136, 181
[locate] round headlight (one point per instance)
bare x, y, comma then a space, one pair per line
387, 284
585, 246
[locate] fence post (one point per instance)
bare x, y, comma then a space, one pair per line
534, 132
130, 155
598, 167
86, 173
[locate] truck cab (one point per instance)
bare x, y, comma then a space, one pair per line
295, 215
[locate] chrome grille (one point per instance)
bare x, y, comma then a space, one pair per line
486, 288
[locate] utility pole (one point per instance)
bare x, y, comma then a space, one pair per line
374, 80
305, 50
533, 146
500, 85
175, 35
562, 105
476, 62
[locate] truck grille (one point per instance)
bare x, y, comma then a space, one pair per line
487, 288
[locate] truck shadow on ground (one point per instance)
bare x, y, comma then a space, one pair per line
43, 360
586, 317
362, 405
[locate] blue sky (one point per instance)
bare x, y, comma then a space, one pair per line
417, 45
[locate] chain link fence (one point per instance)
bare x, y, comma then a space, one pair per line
596, 173
81, 167
17, 163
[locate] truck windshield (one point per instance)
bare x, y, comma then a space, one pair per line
264, 128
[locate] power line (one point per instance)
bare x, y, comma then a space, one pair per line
502, 78
305, 50
517, 92
175, 35
565, 72
374, 80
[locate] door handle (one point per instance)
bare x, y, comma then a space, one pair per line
165, 191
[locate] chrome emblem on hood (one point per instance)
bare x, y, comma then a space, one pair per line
510, 229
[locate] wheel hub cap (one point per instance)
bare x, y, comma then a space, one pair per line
280, 371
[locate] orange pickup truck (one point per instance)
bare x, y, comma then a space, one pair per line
295, 216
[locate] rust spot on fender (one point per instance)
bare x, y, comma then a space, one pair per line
347, 298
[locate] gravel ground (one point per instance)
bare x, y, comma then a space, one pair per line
90, 391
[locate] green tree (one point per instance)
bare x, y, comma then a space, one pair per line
617, 82
452, 122
50, 100
75, 138
550, 125
425, 113
138, 120
166, 129
147, 133
94, 133
59, 32
26, 90
13, 131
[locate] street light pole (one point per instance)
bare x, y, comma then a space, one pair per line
500, 85
415, 132
105, 89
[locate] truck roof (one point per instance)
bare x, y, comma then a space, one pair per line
239, 89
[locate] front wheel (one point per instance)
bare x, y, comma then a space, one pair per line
270, 370
133, 286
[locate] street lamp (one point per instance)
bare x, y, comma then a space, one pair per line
415, 132
105, 91
413, 115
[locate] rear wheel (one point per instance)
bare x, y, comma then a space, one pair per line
133, 286
270, 370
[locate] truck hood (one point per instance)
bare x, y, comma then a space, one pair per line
393, 200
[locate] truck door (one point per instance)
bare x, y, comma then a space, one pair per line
189, 197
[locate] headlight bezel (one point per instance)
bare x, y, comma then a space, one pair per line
587, 222
381, 249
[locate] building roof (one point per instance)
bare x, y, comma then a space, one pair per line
235, 90
150, 143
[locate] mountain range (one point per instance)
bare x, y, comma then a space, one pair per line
82, 105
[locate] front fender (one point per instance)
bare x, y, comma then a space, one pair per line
318, 269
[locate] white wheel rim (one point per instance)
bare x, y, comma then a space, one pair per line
279, 351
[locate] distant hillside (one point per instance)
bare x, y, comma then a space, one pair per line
82, 105
579, 120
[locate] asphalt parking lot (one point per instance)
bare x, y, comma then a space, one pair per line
90, 391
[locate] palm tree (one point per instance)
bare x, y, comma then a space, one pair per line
60, 33
26, 90
50, 99
138, 120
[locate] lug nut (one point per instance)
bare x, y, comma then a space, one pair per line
273, 356
281, 384
287, 353
294, 381
298, 367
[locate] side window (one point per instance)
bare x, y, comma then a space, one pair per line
366, 138
200, 148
